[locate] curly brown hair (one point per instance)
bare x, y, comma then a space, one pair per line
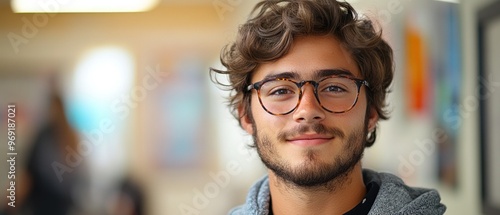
269, 33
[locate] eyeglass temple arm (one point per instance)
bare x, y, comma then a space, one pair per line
251, 86
365, 83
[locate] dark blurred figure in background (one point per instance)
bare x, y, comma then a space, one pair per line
48, 189
128, 199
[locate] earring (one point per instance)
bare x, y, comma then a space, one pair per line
370, 134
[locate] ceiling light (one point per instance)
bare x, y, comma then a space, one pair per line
82, 6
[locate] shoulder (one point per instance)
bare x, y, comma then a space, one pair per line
236, 211
258, 200
395, 197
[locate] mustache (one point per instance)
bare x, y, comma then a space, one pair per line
316, 128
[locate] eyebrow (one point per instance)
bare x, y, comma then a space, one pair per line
329, 72
289, 75
318, 74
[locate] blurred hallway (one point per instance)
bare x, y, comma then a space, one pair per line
151, 123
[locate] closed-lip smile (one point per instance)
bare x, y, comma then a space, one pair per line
309, 139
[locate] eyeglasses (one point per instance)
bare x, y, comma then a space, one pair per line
335, 94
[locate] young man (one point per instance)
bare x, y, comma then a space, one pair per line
310, 79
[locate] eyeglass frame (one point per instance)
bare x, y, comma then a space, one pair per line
258, 85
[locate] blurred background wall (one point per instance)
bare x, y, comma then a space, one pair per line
136, 90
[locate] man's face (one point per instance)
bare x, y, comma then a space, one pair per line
310, 146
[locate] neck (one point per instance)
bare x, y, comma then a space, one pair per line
337, 197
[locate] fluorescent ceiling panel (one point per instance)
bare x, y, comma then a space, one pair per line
82, 6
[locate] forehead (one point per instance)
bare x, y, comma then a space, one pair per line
308, 56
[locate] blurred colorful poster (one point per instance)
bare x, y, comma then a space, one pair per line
434, 76
177, 118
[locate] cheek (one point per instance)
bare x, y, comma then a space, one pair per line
352, 119
265, 122
360, 107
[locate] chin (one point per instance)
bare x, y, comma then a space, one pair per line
311, 159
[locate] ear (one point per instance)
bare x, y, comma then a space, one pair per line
245, 121
372, 119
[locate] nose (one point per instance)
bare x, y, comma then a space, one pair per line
309, 109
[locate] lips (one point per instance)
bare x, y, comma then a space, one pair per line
310, 139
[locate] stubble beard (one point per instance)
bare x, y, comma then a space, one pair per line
313, 172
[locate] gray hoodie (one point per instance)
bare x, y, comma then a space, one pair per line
394, 197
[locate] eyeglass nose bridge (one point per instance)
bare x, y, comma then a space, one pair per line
315, 85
